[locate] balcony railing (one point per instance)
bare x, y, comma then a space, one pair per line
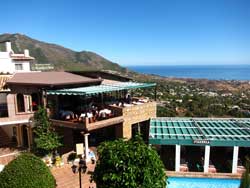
86, 124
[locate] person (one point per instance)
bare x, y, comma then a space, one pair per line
92, 156
128, 98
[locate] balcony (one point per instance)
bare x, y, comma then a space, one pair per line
88, 121
112, 114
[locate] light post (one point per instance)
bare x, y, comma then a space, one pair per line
81, 168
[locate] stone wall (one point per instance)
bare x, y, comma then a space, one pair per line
135, 114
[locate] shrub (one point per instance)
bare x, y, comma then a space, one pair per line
46, 139
128, 164
245, 180
27, 171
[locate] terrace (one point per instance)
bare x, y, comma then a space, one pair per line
94, 107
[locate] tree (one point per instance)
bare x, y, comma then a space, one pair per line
245, 180
128, 164
45, 136
27, 171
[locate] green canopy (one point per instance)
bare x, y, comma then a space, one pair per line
200, 131
103, 88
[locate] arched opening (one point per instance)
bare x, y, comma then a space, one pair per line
20, 102
35, 101
25, 136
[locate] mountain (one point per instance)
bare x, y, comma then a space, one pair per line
62, 58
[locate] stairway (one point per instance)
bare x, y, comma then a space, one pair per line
4, 139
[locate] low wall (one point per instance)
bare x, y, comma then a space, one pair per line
135, 114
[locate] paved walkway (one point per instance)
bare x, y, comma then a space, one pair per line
65, 178
7, 154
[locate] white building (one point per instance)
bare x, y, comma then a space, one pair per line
11, 63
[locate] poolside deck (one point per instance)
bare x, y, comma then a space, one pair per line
203, 175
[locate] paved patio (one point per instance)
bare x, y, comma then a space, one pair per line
7, 154
65, 178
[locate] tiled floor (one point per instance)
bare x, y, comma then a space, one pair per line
65, 178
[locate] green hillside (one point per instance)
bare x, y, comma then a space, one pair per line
62, 58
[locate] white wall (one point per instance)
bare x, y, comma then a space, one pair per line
26, 66
5, 63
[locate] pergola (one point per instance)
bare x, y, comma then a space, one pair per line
103, 88
201, 132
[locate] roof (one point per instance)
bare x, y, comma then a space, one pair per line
113, 75
21, 57
49, 79
103, 88
200, 131
3, 80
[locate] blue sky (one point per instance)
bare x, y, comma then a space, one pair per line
132, 32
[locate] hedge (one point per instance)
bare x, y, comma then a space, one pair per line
27, 171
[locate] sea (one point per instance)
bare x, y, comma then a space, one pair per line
211, 72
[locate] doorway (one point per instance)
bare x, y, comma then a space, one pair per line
25, 136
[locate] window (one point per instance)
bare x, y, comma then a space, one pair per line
20, 103
18, 66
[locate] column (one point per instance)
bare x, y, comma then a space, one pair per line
86, 144
206, 160
28, 135
177, 158
235, 159
139, 128
18, 136
44, 99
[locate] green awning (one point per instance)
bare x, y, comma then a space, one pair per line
200, 131
103, 88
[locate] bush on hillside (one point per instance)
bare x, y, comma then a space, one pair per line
27, 171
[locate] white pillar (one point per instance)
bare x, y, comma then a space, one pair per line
177, 157
206, 160
235, 159
86, 144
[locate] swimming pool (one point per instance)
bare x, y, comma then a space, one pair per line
179, 182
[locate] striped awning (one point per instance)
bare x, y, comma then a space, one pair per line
103, 88
200, 131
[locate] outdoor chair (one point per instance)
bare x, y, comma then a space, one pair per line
199, 167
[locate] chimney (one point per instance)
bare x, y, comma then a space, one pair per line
8, 46
26, 53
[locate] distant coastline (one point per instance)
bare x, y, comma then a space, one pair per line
211, 72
